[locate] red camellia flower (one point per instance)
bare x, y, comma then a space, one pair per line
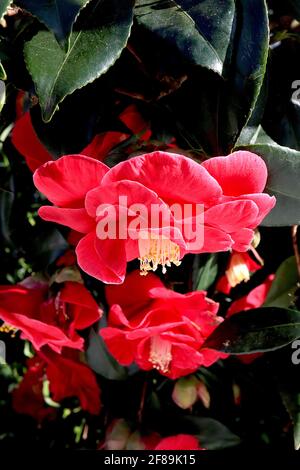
254, 299
69, 377
179, 442
158, 328
230, 197
45, 319
28, 398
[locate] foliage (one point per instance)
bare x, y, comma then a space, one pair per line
113, 80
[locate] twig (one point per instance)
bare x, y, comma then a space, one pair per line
142, 403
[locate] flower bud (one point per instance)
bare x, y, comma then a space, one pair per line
117, 436
185, 392
203, 394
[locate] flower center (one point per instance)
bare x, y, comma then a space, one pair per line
5, 328
160, 353
238, 271
155, 250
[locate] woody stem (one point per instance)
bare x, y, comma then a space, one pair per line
142, 402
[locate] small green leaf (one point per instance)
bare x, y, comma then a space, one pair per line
93, 50
212, 434
257, 330
101, 361
200, 31
283, 166
207, 273
284, 286
291, 400
57, 15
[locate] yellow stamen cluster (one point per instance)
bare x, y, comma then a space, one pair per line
237, 271
155, 251
5, 328
160, 353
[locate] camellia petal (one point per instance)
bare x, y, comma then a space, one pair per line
179, 442
232, 216
134, 282
40, 333
239, 173
76, 219
90, 260
66, 181
174, 178
86, 311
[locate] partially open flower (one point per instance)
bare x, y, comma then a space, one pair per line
46, 318
162, 330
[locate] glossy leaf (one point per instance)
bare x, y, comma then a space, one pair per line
212, 434
210, 112
200, 31
93, 50
249, 67
101, 361
283, 182
207, 273
291, 400
284, 286
257, 330
57, 15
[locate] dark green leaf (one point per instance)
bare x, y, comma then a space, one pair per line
283, 182
48, 247
101, 361
207, 273
291, 400
212, 434
284, 286
285, 372
295, 7
200, 31
6, 204
252, 129
249, 67
93, 50
57, 15
210, 112
257, 330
